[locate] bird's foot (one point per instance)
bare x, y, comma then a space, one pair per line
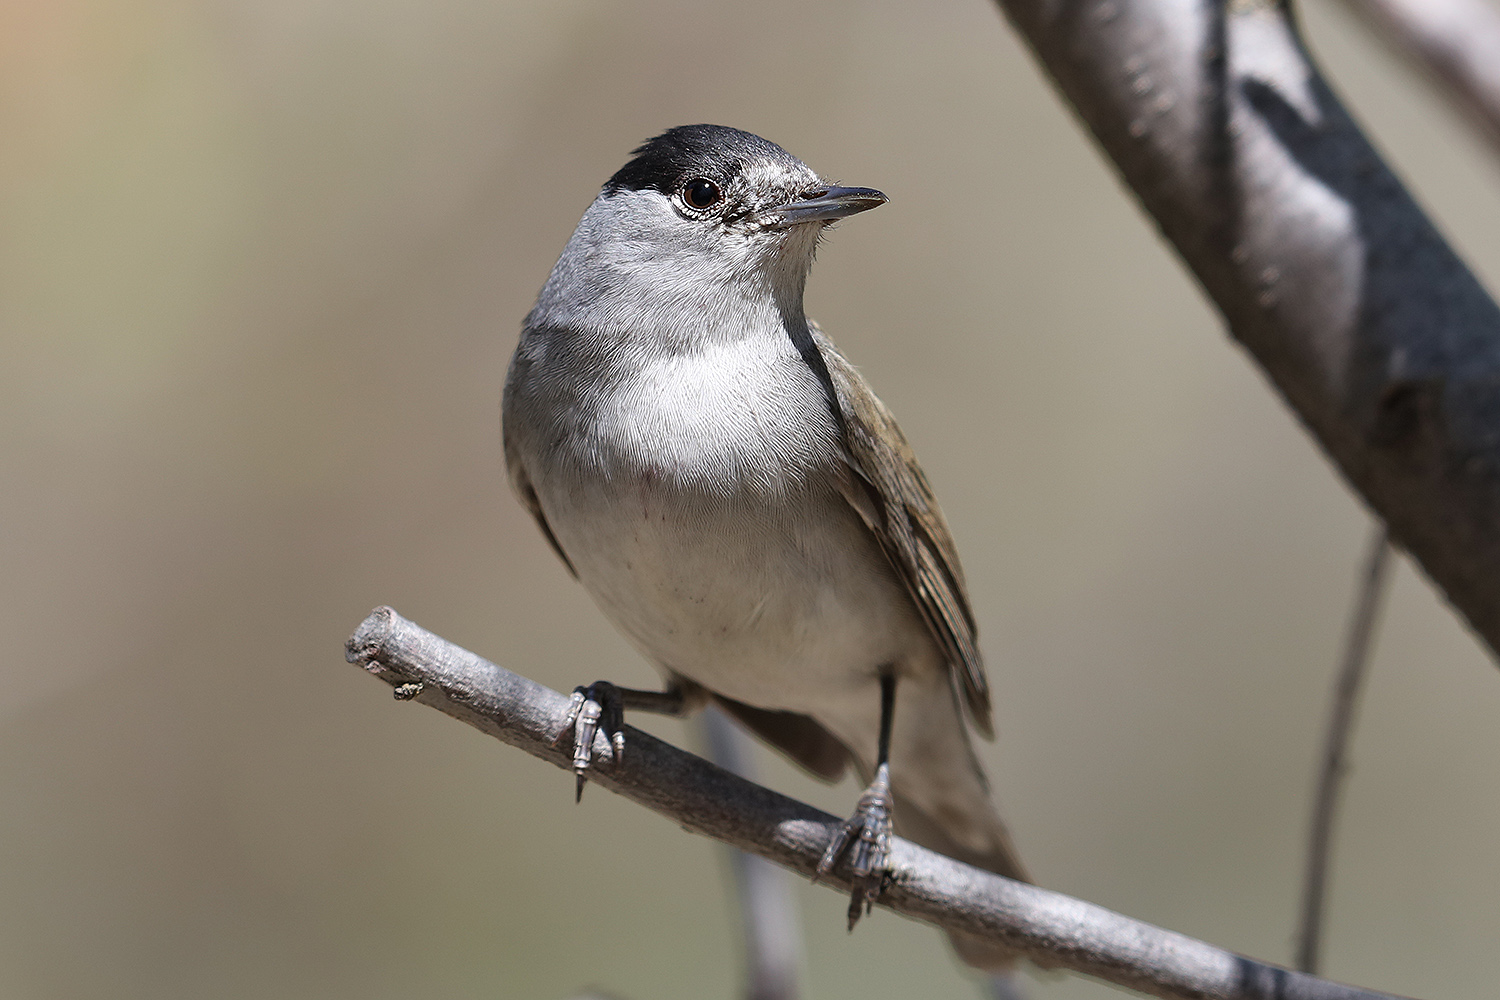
597, 706
866, 836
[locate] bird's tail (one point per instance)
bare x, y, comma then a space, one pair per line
998, 855
943, 801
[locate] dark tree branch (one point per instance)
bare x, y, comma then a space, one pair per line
1335, 750
1325, 269
1048, 927
1457, 43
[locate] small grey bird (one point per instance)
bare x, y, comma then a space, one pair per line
737, 501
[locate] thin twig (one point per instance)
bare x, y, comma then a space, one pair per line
1336, 747
768, 913
1050, 928
1457, 43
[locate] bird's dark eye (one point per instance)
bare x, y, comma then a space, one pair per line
701, 193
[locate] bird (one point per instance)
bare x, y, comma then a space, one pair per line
737, 501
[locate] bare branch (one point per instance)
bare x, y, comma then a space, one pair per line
1335, 751
1375, 332
1048, 927
1457, 42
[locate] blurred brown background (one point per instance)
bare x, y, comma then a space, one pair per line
262, 265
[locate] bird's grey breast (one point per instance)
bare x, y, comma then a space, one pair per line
727, 423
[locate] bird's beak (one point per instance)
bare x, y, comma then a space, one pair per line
827, 204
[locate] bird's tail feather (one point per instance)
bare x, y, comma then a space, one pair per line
998, 856
943, 801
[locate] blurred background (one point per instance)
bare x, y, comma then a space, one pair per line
262, 265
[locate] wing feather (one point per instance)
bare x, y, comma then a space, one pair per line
891, 494
526, 493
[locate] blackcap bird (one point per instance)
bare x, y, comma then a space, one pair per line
740, 505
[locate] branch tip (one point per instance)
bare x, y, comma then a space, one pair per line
369, 639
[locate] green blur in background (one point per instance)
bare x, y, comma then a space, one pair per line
262, 265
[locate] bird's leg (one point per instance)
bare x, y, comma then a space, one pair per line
601, 705
869, 829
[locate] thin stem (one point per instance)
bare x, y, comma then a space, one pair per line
1336, 748
768, 913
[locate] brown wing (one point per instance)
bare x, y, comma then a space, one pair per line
526, 493
892, 496
800, 737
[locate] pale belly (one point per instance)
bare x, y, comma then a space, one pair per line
786, 605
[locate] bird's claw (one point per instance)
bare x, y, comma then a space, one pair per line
591, 708
866, 837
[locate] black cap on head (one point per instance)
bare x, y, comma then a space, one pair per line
714, 151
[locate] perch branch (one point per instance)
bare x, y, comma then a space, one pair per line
1324, 268
1052, 929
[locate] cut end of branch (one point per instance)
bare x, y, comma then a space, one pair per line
365, 645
